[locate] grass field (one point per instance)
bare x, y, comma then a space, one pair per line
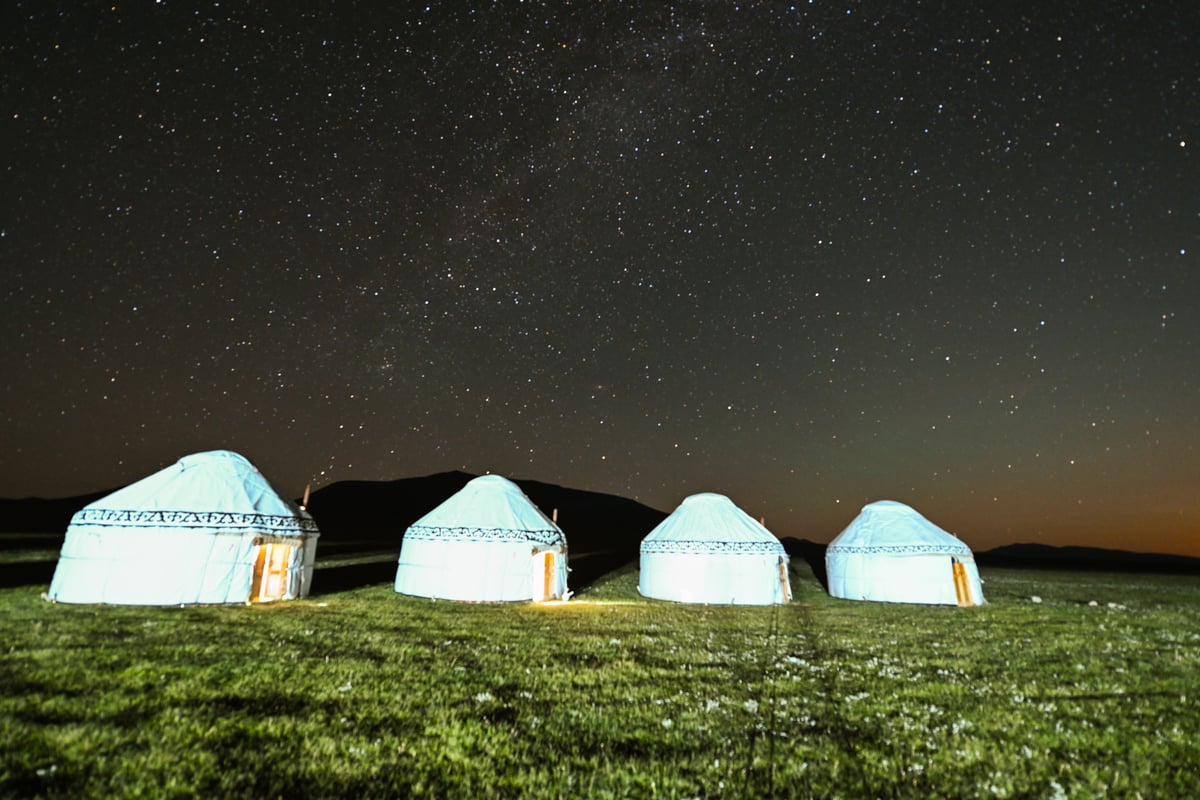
367, 693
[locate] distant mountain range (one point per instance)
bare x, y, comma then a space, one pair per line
378, 512
35, 515
1099, 558
1040, 555
355, 515
381, 511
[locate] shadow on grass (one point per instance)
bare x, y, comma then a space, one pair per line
588, 568
813, 554
26, 573
331, 580
365, 547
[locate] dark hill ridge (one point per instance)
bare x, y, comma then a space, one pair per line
374, 514
603, 531
380, 511
1042, 556
36, 515
1094, 558
595, 522
368, 518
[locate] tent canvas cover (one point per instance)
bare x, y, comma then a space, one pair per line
710, 551
486, 543
207, 529
890, 553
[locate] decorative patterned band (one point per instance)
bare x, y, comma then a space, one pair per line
692, 546
547, 537
113, 517
901, 550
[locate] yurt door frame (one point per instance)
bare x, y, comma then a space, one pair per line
270, 571
545, 565
962, 584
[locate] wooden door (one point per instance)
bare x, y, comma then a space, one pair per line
962, 586
544, 564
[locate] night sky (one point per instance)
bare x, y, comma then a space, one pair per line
807, 255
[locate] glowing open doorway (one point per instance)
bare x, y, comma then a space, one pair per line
544, 569
270, 572
962, 586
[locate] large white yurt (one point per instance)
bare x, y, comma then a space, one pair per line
890, 553
207, 529
710, 551
486, 543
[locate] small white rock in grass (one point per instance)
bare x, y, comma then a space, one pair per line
1093, 603
666, 723
1035, 599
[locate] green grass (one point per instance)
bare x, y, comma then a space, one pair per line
367, 693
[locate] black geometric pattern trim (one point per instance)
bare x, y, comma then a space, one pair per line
901, 549
113, 517
707, 547
437, 533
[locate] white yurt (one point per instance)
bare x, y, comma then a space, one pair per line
486, 543
710, 551
207, 529
890, 553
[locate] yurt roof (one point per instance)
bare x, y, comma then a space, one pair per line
214, 489
889, 527
490, 508
710, 523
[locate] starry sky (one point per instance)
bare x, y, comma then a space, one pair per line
805, 254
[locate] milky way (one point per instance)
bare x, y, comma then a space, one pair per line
808, 255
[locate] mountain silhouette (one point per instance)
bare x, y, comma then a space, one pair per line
1030, 554
380, 511
604, 531
358, 517
38, 515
